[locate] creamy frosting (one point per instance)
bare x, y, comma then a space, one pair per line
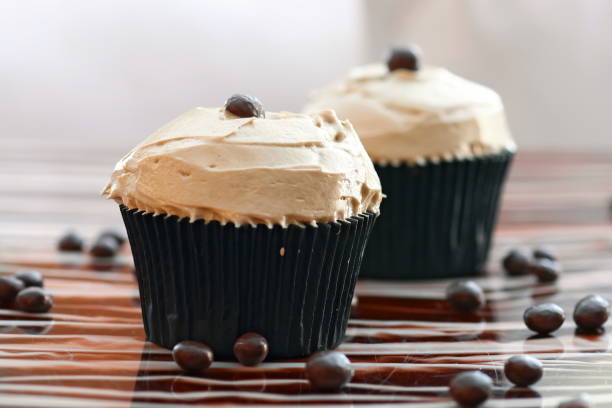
283, 169
413, 117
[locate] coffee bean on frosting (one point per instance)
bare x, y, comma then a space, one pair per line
465, 296
9, 288
404, 58
104, 247
30, 278
328, 371
244, 106
70, 242
515, 263
591, 312
523, 370
34, 300
471, 388
251, 349
544, 318
192, 356
544, 270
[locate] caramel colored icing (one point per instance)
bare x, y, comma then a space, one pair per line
282, 169
414, 117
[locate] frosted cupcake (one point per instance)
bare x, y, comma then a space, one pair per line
441, 147
244, 221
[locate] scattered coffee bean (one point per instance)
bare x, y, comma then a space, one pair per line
544, 318
34, 300
70, 242
523, 370
544, 269
118, 237
244, 106
192, 356
328, 371
465, 296
471, 388
251, 349
544, 252
9, 288
30, 278
591, 312
404, 58
104, 247
516, 261
580, 402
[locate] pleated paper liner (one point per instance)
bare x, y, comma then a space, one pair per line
212, 283
437, 220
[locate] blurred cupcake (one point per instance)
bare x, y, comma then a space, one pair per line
441, 147
244, 221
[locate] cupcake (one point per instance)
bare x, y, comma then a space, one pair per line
442, 148
244, 221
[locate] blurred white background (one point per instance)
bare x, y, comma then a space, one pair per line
108, 72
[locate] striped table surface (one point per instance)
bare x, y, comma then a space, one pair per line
403, 339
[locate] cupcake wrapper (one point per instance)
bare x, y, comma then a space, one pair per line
438, 219
212, 283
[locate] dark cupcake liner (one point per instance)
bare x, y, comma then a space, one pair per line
212, 283
437, 220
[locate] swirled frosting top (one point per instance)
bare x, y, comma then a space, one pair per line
417, 116
281, 169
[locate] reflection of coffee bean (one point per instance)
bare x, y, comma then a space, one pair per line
580, 402
521, 392
551, 345
34, 330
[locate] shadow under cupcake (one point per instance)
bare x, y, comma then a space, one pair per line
244, 221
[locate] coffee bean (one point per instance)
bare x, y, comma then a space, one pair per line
104, 247
30, 278
465, 296
523, 370
34, 300
192, 356
9, 288
544, 252
544, 318
516, 261
471, 388
404, 58
580, 402
118, 237
244, 106
251, 349
328, 371
70, 242
544, 269
591, 312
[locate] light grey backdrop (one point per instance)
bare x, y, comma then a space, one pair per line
108, 72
